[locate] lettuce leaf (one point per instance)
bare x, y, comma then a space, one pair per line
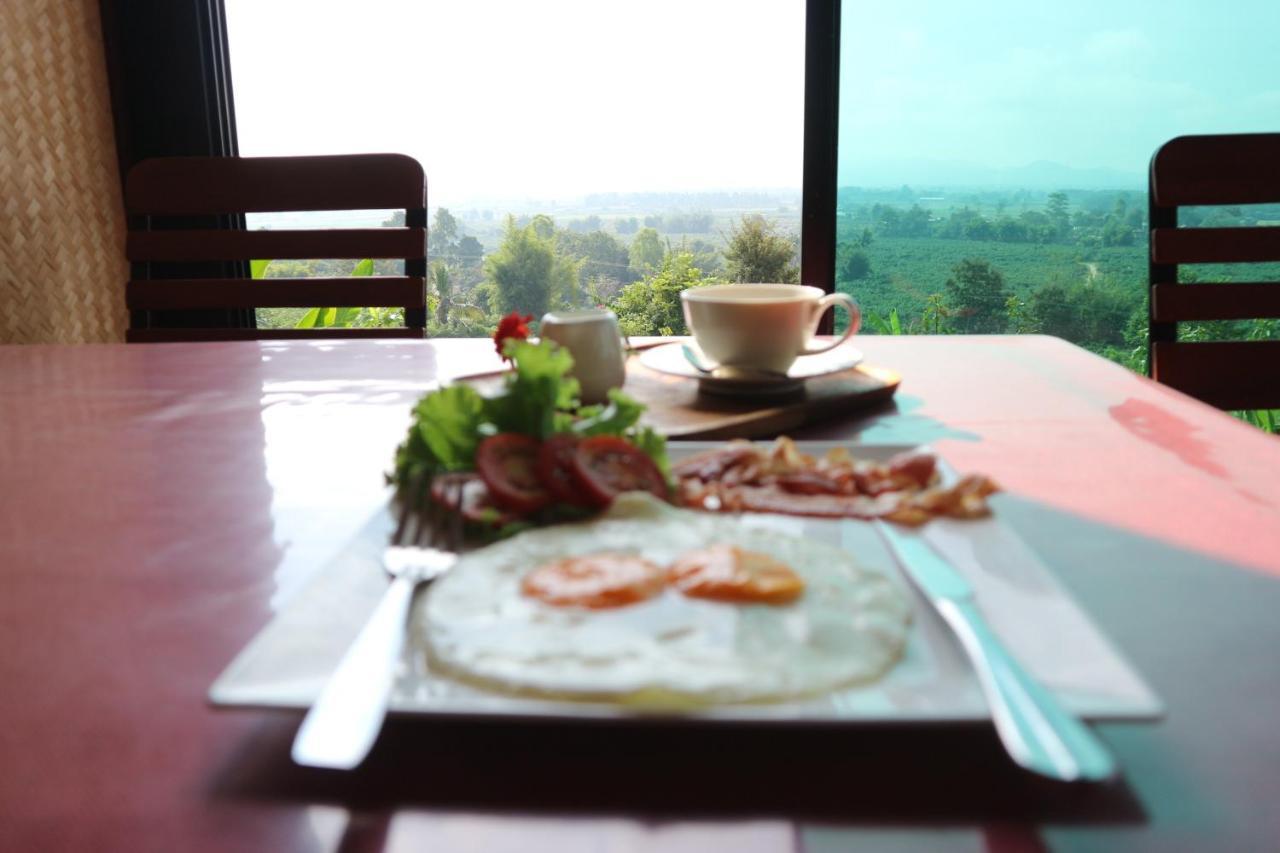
449, 422
619, 415
447, 426
540, 394
539, 399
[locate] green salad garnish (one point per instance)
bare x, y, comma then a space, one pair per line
539, 399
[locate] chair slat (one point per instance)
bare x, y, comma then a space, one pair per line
183, 335
1225, 301
172, 200
231, 245
178, 294
174, 186
1207, 170
1229, 375
1214, 245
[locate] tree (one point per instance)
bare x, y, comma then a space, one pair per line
653, 306
706, 255
584, 225
602, 290
687, 223
1115, 231
1039, 227
966, 224
1058, 209
544, 226
856, 266
529, 275
443, 234
1020, 320
979, 228
646, 252
915, 222
470, 250
976, 297
566, 282
1011, 230
933, 320
888, 220
444, 291
1083, 313
485, 297
445, 224
601, 254
757, 252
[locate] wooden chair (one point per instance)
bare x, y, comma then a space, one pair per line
190, 270
1214, 170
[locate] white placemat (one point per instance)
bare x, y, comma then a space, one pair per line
287, 663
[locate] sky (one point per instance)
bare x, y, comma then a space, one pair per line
507, 99
514, 99
1090, 84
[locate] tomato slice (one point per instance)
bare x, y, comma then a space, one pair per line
477, 506
507, 463
555, 469
605, 466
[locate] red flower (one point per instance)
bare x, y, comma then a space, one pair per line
511, 326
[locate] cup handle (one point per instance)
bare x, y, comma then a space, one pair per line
855, 320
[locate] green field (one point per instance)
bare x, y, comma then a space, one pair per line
905, 270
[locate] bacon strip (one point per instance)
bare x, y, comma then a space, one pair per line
743, 477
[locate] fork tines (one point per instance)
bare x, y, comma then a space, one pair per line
426, 522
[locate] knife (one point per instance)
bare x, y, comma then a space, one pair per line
1038, 733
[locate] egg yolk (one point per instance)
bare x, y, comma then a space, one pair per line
728, 573
596, 581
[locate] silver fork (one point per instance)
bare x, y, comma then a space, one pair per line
344, 722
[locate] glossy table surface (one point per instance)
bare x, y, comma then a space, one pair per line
158, 502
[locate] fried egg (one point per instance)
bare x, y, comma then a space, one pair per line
479, 623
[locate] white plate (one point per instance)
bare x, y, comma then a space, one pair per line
670, 359
287, 663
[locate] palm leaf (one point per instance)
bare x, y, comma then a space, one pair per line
343, 317
470, 313
330, 318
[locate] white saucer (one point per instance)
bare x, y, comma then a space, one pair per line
670, 359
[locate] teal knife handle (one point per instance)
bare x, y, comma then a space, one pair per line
1038, 732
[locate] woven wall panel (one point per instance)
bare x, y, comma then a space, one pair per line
62, 228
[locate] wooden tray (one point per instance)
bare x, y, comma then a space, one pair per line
676, 409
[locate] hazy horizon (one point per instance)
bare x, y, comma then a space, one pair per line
1093, 85
509, 103
507, 99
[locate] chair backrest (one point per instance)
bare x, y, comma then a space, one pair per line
171, 260
1187, 171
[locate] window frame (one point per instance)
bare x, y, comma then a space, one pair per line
170, 78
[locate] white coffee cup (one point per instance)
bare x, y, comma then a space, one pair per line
592, 338
763, 327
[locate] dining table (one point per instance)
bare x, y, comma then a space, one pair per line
160, 502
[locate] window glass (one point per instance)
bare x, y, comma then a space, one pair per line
577, 152
993, 157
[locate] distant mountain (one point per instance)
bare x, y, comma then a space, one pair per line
1042, 174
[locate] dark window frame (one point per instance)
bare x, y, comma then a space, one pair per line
821, 146
170, 81
170, 77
